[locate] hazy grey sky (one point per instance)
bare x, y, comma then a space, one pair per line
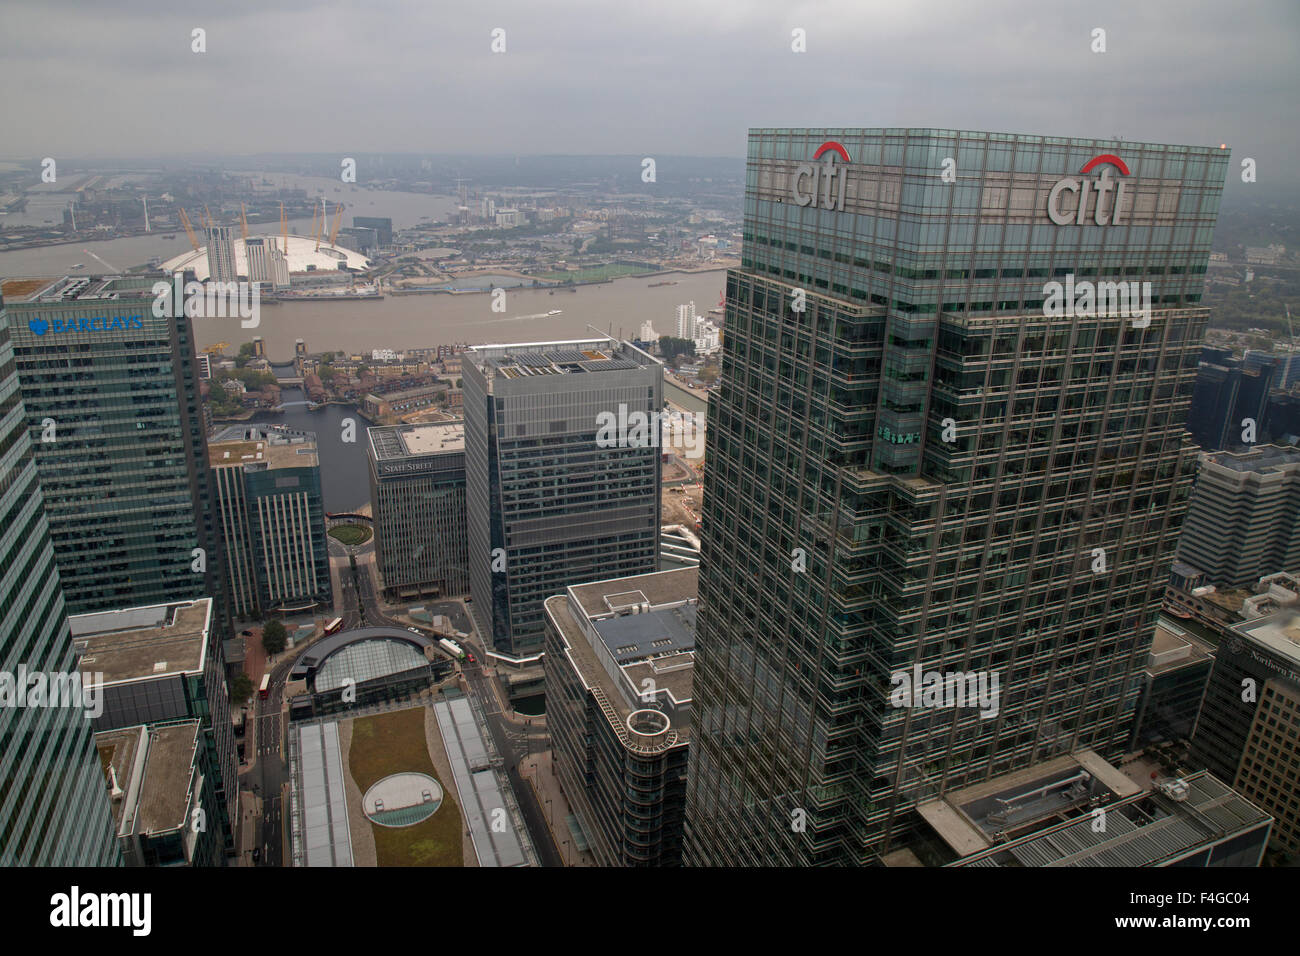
687, 77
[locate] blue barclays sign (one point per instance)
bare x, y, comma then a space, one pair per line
99, 323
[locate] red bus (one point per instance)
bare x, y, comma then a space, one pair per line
334, 626
265, 690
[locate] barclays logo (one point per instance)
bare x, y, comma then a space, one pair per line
99, 323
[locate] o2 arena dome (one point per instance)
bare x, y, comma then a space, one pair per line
302, 256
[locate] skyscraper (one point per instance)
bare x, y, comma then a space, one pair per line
927, 459
112, 399
1243, 521
259, 261
549, 502
221, 254
272, 519
54, 806
417, 490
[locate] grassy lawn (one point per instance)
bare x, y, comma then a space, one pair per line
351, 534
392, 743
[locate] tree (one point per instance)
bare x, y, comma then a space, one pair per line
670, 347
245, 353
458, 383
241, 688
273, 637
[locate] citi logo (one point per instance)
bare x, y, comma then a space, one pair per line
1107, 209
825, 181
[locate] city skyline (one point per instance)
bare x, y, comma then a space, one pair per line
704, 437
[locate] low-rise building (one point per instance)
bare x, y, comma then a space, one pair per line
1173, 683
160, 782
159, 665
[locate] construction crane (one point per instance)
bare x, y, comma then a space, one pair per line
189, 230
215, 349
243, 221
207, 215
338, 219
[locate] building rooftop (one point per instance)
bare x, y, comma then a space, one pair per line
1173, 647
531, 359
1262, 459
976, 817
55, 289
270, 454
144, 642
153, 768
621, 633
394, 442
1150, 828
1278, 632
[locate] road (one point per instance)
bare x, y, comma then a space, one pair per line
504, 732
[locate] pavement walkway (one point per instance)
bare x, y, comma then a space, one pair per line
539, 773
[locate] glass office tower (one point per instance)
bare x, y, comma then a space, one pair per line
113, 405
920, 456
548, 504
54, 807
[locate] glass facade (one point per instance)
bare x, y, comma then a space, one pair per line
114, 413
417, 490
629, 796
923, 467
547, 505
54, 807
272, 517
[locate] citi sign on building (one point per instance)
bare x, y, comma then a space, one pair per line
991, 177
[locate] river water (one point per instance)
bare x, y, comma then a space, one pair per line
426, 321
345, 485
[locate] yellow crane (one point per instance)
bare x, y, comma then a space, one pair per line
189, 230
216, 349
338, 219
207, 215
243, 221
